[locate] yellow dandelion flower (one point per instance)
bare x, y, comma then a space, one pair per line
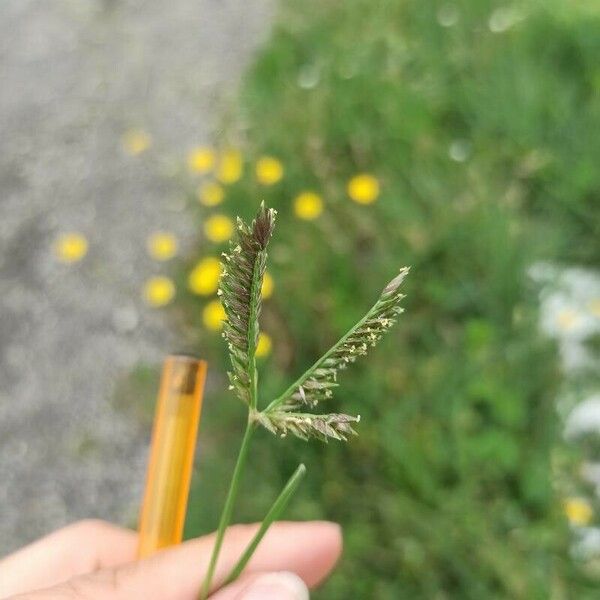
218, 228
230, 167
210, 194
363, 188
267, 286
269, 170
204, 277
158, 291
136, 141
70, 247
213, 315
566, 319
594, 307
162, 245
200, 160
264, 345
308, 206
578, 511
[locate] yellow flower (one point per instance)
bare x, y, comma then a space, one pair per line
594, 307
210, 194
578, 511
136, 141
566, 319
218, 228
230, 167
363, 188
70, 247
213, 315
204, 277
264, 345
269, 170
267, 286
308, 206
200, 160
162, 245
158, 291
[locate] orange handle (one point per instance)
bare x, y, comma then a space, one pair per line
178, 409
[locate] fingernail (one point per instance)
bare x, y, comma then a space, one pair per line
277, 586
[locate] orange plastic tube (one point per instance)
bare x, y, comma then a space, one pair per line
178, 409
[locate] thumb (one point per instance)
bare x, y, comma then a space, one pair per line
283, 585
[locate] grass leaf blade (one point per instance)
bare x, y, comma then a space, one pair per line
274, 513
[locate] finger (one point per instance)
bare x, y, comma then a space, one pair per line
74, 550
308, 549
267, 586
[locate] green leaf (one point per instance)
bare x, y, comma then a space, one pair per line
274, 513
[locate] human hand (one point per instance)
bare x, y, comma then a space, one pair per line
94, 560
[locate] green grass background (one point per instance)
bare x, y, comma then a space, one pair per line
453, 487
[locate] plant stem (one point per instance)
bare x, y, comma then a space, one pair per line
274, 513
227, 508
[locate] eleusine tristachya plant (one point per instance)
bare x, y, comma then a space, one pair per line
242, 274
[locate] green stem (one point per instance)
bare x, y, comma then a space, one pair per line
227, 509
274, 513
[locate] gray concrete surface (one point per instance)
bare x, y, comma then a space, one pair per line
74, 74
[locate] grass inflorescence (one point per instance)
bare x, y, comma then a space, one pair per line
240, 291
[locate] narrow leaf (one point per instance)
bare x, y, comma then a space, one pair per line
274, 513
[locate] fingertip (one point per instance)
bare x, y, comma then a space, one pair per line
333, 531
276, 586
331, 543
311, 547
281, 585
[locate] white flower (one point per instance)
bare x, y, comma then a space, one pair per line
584, 418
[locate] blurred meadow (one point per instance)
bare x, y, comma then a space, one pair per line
460, 138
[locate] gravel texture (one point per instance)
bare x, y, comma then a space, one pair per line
74, 75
